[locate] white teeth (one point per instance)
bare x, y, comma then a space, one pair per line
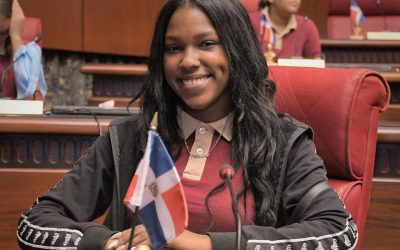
196, 81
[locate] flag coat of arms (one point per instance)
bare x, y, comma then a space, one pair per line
356, 13
266, 31
157, 191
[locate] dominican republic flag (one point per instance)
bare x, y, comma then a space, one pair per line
157, 190
356, 13
266, 31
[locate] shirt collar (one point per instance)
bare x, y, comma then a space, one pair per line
292, 24
188, 124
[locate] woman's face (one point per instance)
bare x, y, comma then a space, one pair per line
196, 66
286, 6
4, 28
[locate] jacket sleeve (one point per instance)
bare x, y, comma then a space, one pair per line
61, 219
325, 225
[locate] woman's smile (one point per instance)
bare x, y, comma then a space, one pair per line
195, 81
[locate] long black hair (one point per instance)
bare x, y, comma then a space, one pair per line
263, 3
256, 126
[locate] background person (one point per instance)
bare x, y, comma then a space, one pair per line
213, 109
294, 35
21, 71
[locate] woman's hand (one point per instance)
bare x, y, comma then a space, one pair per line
188, 240
119, 241
16, 25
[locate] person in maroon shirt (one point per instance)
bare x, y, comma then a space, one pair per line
294, 35
215, 106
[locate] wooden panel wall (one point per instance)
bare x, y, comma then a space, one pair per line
119, 26
61, 22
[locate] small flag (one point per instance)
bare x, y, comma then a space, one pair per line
356, 13
157, 190
266, 30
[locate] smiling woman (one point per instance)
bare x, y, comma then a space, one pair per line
215, 106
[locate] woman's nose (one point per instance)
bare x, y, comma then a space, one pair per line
190, 60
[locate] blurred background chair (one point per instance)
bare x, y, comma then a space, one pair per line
379, 15
342, 107
32, 28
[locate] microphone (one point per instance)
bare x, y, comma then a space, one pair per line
226, 172
37, 39
385, 25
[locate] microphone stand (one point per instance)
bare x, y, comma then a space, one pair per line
385, 25
226, 172
235, 209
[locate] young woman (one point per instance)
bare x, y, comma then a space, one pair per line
215, 107
21, 72
294, 35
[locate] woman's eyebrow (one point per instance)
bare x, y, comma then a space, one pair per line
172, 37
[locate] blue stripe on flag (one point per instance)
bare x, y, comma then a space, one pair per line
153, 226
160, 160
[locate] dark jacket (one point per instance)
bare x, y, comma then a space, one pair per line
61, 218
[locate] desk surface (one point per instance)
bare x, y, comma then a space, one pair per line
358, 43
83, 125
115, 69
391, 72
388, 131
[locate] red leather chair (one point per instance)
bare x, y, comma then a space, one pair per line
250, 5
340, 25
342, 107
32, 27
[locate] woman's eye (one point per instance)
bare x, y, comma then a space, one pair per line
207, 44
172, 48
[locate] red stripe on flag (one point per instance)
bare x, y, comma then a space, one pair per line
353, 15
131, 189
177, 208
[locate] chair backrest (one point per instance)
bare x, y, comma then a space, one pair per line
340, 25
342, 106
32, 28
250, 5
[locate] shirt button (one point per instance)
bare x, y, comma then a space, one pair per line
199, 151
202, 131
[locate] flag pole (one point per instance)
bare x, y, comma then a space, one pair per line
153, 127
154, 122
132, 230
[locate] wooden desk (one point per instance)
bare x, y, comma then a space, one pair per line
19, 189
360, 51
51, 142
382, 228
120, 82
35, 153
